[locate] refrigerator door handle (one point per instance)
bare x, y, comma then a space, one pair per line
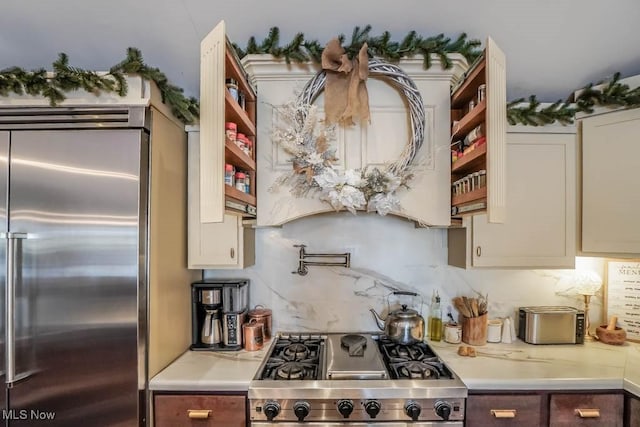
10, 298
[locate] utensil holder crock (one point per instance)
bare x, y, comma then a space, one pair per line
474, 330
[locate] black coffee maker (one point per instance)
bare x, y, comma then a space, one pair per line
219, 308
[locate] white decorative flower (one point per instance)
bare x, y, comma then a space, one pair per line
384, 203
328, 179
346, 196
353, 178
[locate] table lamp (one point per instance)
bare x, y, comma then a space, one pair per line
587, 283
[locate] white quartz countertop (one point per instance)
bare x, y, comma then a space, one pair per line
210, 371
521, 366
515, 366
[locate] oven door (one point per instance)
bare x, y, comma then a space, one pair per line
361, 424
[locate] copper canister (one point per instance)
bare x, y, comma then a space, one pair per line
263, 316
253, 335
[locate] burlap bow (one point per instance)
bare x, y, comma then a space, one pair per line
345, 92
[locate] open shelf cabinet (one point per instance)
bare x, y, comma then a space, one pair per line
478, 130
221, 217
218, 62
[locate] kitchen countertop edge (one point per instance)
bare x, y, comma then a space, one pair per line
199, 371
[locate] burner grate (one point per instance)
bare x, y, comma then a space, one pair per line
413, 361
293, 358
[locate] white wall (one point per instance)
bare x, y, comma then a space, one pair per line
386, 253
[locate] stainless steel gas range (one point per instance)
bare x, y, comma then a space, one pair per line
355, 379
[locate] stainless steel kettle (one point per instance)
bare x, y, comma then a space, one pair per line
404, 326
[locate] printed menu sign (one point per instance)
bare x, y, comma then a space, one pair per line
623, 295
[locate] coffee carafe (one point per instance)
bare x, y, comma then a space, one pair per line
212, 327
211, 333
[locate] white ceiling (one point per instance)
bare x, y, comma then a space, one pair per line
552, 46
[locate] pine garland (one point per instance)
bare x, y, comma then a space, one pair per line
301, 50
613, 94
67, 78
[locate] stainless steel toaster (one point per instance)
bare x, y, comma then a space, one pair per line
551, 325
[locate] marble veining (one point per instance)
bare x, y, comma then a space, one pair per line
387, 253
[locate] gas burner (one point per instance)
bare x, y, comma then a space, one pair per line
290, 371
296, 351
414, 369
278, 368
293, 358
412, 361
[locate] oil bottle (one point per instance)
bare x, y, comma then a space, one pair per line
435, 320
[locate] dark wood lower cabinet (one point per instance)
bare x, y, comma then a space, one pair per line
588, 410
200, 410
632, 412
546, 408
505, 410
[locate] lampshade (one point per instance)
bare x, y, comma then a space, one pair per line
580, 282
586, 282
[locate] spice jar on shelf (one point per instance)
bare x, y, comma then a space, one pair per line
247, 183
231, 131
240, 183
482, 92
229, 175
240, 140
249, 147
241, 99
232, 87
482, 178
245, 145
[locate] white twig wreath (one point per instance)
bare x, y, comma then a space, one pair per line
304, 135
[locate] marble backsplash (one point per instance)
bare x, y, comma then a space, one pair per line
387, 253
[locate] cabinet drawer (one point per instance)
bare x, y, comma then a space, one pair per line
575, 410
175, 410
504, 411
633, 413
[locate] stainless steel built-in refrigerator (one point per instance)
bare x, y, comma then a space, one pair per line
74, 190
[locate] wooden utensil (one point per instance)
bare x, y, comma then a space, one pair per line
467, 304
458, 302
474, 307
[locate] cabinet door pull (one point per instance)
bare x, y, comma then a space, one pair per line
587, 413
478, 251
504, 413
198, 414
232, 252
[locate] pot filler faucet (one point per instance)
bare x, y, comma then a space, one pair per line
303, 263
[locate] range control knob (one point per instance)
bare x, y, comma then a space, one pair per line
271, 410
345, 407
301, 409
443, 409
412, 409
372, 407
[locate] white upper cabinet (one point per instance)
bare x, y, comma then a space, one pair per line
610, 197
540, 226
478, 129
377, 143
